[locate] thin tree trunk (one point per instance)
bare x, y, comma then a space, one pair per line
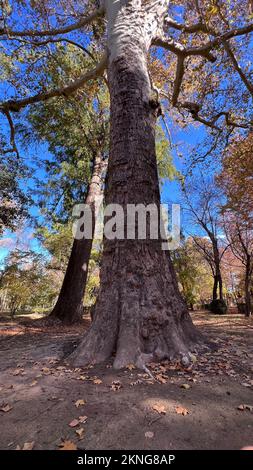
139, 315
69, 306
220, 287
218, 284
247, 288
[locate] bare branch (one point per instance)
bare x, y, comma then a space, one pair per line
55, 41
217, 41
54, 31
194, 109
14, 148
237, 67
16, 105
194, 28
178, 49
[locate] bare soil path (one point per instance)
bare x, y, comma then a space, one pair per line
45, 404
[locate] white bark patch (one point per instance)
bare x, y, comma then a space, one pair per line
131, 22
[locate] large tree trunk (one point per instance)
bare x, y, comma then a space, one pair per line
139, 315
69, 306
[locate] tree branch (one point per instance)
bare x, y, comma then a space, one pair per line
179, 79
14, 148
194, 28
178, 49
55, 31
237, 67
53, 41
194, 109
16, 105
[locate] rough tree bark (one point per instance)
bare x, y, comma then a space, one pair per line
139, 315
69, 306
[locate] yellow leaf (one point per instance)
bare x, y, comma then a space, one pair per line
185, 386
28, 446
33, 383
80, 403
97, 381
80, 433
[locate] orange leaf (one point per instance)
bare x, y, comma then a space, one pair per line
182, 411
97, 381
68, 445
160, 409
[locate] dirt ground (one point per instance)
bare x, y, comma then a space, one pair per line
45, 404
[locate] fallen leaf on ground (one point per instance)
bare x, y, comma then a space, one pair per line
116, 385
97, 381
137, 382
80, 433
80, 403
67, 445
130, 367
33, 383
74, 423
160, 409
245, 407
5, 408
149, 435
28, 446
161, 379
17, 372
82, 419
185, 386
193, 358
182, 411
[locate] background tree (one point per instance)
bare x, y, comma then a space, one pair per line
203, 200
239, 232
237, 175
236, 180
26, 284
193, 272
13, 201
77, 137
